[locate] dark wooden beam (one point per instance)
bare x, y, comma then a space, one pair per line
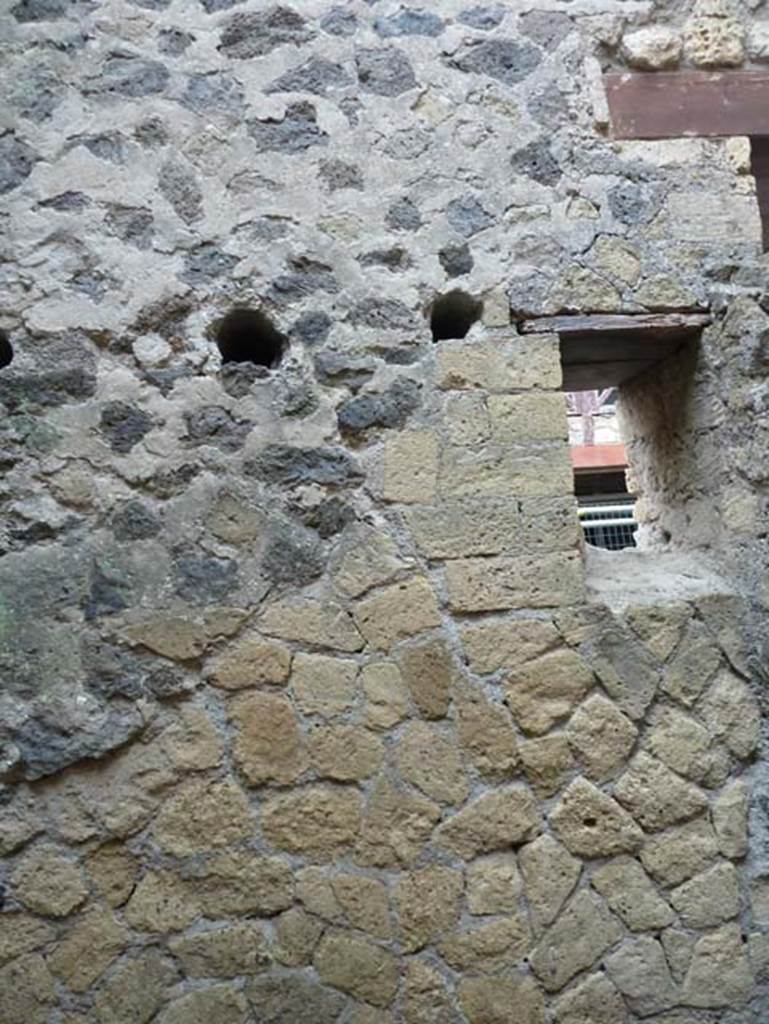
672, 104
616, 323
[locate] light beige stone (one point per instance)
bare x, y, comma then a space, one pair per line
171, 636
318, 623
386, 693
428, 759
269, 746
494, 367
659, 626
506, 643
528, 581
497, 470
615, 257
535, 416
714, 42
590, 823
466, 419
580, 290
426, 999
464, 527
640, 971
679, 947
720, 972
395, 828
357, 967
233, 520
369, 559
593, 1001
544, 691
504, 817
397, 612
160, 903
652, 48
88, 949
134, 992
489, 1000
410, 466
664, 292
547, 762
657, 797
687, 674
550, 874
240, 882
253, 661
494, 884
193, 742
601, 737
628, 672
22, 933
584, 930
113, 869
297, 935
731, 713
365, 904
486, 734
681, 743
314, 889
203, 815
293, 996
428, 905
345, 753
27, 993
225, 952
428, 670
708, 899
318, 821
322, 685
729, 813
679, 853
47, 882
488, 948
221, 1003
627, 889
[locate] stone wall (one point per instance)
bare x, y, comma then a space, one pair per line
313, 709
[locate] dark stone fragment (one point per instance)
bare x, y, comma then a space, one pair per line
307, 277
546, 28
329, 517
37, 94
537, 162
110, 671
173, 41
68, 371
312, 328
338, 174
336, 368
46, 748
165, 317
106, 146
151, 132
212, 6
66, 201
292, 554
238, 378
456, 260
214, 90
395, 258
131, 224
255, 33
165, 379
383, 313
409, 23
40, 10
16, 162
483, 18
109, 592
297, 397
296, 131
386, 72
168, 483
165, 683
152, 5
507, 60
631, 204
351, 107
92, 282
124, 425
339, 22
204, 577
207, 262
317, 75
214, 425
179, 186
400, 356
403, 215
129, 76
391, 408
135, 521
467, 216
284, 465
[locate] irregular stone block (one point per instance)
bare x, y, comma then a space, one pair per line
427, 669
410, 467
494, 884
241, 882
253, 34
505, 643
729, 813
322, 685
293, 997
27, 991
395, 827
601, 737
495, 584
679, 853
88, 949
545, 690
639, 970
498, 819
135, 991
318, 821
581, 934
720, 974
297, 935
548, 762
488, 1000
222, 1003
364, 903
203, 815
345, 753
428, 904
489, 947
498, 470
652, 48
731, 714
657, 797
595, 999
22, 933
226, 952
486, 734
385, 72
630, 894
507, 60
397, 612
268, 743
358, 967
429, 760
252, 662
709, 899
592, 824
321, 623
160, 903
387, 696
714, 42
550, 874
48, 882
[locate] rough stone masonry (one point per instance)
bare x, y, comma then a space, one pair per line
314, 707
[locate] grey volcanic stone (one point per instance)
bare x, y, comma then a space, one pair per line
317, 75
391, 408
16, 162
339, 22
285, 466
212, 6
178, 185
167, 483
394, 258
467, 216
40, 10
409, 23
151, 132
507, 60
109, 592
129, 76
173, 41
135, 521
278, 999
386, 72
306, 277
387, 313
37, 94
254, 33
631, 204
66, 201
204, 577
238, 378
338, 174
403, 215
456, 260
67, 371
106, 146
206, 262
536, 161
296, 131
329, 517
214, 425
546, 28
548, 106
483, 18
337, 368
131, 224
214, 91
124, 425
293, 554
312, 328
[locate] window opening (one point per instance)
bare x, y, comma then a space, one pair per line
248, 336
452, 315
6, 350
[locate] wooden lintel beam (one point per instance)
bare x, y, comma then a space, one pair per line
615, 323
675, 104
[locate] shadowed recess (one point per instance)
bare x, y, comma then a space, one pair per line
452, 315
6, 350
248, 336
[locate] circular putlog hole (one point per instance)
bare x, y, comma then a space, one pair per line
6, 350
452, 315
248, 336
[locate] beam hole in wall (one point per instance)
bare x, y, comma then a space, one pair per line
249, 336
759, 165
453, 314
6, 350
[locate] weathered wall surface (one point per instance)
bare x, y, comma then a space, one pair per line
308, 711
